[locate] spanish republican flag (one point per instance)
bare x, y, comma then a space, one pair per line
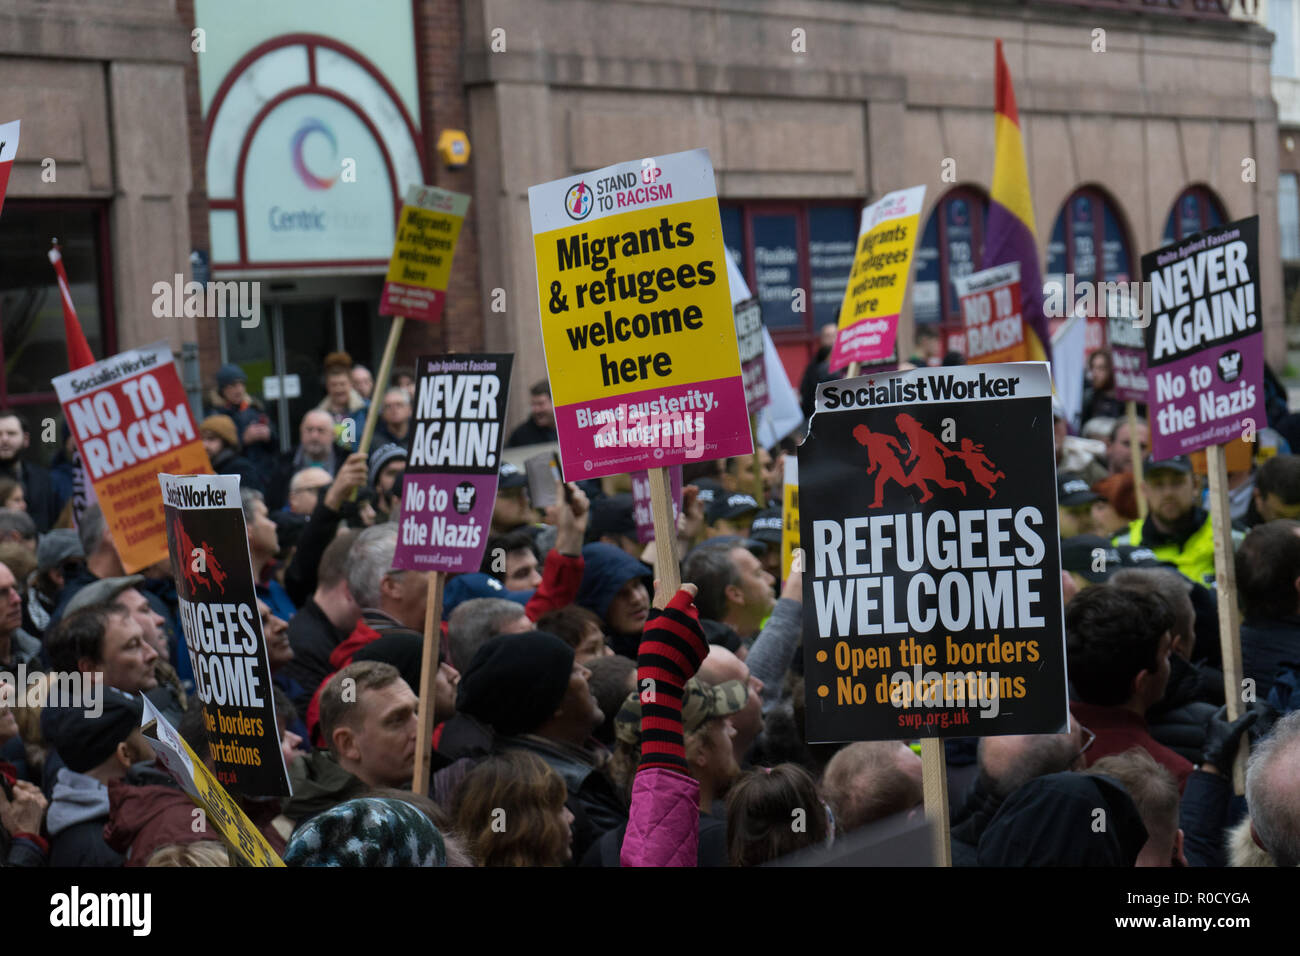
1009, 231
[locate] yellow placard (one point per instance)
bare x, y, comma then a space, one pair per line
873, 297
789, 516
246, 844
647, 295
427, 232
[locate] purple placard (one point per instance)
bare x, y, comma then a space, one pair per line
450, 484
454, 534
749, 340
641, 512
1207, 399
1204, 346
1128, 357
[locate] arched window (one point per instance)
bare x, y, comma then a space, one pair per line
1195, 209
952, 246
1089, 243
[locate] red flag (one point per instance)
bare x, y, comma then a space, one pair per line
79, 354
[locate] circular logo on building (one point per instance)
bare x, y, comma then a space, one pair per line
465, 496
309, 126
578, 201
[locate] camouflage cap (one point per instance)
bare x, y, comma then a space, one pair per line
702, 703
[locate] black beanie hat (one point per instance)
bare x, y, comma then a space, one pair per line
84, 741
516, 681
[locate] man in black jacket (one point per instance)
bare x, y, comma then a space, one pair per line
315, 447
43, 503
1268, 585
1005, 765
529, 689
540, 425
324, 621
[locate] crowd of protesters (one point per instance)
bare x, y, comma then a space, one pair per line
547, 752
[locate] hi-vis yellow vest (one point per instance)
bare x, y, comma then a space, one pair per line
1195, 559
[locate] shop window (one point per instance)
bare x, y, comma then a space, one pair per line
1195, 209
1090, 242
33, 348
1288, 214
793, 255
952, 245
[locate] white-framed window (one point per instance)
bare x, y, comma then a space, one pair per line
1288, 214
1282, 20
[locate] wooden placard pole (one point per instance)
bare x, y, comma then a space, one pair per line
667, 565
934, 788
381, 382
1225, 586
428, 681
381, 386
1135, 449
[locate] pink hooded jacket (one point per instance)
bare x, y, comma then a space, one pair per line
663, 827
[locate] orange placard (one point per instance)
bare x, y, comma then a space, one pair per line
132, 421
1237, 453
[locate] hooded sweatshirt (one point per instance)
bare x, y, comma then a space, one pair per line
605, 570
75, 821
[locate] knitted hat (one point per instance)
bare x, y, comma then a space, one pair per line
381, 456
516, 681
368, 831
223, 427
229, 375
84, 741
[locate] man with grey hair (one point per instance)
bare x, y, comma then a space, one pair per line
1273, 791
315, 447
478, 620
1005, 765
18, 526
305, 489
392, 600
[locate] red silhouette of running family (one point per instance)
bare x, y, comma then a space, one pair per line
184, 560
926, 454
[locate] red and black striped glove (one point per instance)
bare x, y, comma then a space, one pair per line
672, 648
